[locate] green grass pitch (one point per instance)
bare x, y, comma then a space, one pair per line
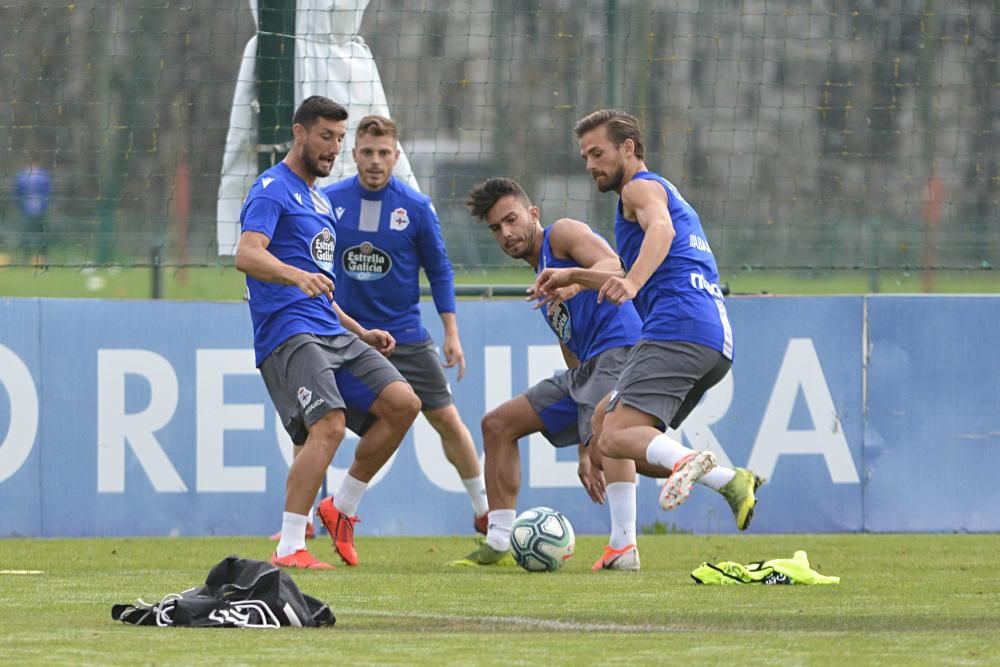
903, 600
224, 283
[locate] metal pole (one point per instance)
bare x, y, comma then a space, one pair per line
157, 270
275, 80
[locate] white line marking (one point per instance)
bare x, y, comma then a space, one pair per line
21, 572
519, 621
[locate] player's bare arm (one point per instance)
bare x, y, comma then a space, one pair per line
571, 239
452, 349
254, 259
645, 202
382, 341
591, 476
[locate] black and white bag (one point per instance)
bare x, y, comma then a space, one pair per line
238, 593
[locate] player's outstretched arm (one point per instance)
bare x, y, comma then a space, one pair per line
645, 202
254, 259
571, 239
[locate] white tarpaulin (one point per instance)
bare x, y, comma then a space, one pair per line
331, 59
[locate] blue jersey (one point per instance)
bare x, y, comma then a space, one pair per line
584, 326
682, 300
385, 237
298, 220
33, 188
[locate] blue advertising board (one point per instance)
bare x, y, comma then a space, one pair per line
149, 418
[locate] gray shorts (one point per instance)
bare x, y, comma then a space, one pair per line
420, 364
307, 376
566, 402
667, 378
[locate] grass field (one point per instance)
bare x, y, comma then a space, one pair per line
903, 600
223, 283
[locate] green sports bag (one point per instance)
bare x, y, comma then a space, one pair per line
780, 571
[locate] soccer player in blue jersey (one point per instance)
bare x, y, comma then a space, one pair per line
595, 339
317, 363
687, 341
386, 232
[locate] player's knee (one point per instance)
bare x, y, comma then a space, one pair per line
328, 432
494, 429
445, 420
609, 444
401, 404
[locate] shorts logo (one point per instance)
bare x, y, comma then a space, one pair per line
321, 248
399, 220
559, 321
304, 396
366, 262
312, 406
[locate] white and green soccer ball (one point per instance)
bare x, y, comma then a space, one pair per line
542, 540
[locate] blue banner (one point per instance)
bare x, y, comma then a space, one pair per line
149, 418
932, 443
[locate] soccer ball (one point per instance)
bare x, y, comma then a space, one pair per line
542, 540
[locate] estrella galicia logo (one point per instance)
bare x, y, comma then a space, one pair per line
321, 249
366, 262
559, 321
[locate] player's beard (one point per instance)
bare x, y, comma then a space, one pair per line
614, 181
312, 165
528, 245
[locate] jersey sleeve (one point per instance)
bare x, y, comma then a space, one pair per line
434, 259
260, 214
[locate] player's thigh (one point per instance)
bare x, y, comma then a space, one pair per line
656, 378
552, 400
591, 382
704, 383
420, 365
515, 418
396, 400
300, 378
363, 380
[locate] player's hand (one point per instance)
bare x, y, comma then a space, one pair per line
617, 291
547, 282
453, 355
562, 294
591, 477
314, 284
380, 340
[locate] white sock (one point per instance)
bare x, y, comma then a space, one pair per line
501, 522
665, 451
717, 477
293, 534
309, 517
349, 494
476, 488
621, 502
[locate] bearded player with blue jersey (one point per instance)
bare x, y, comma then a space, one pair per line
317, 362
686, 345
387, 232
595, 339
